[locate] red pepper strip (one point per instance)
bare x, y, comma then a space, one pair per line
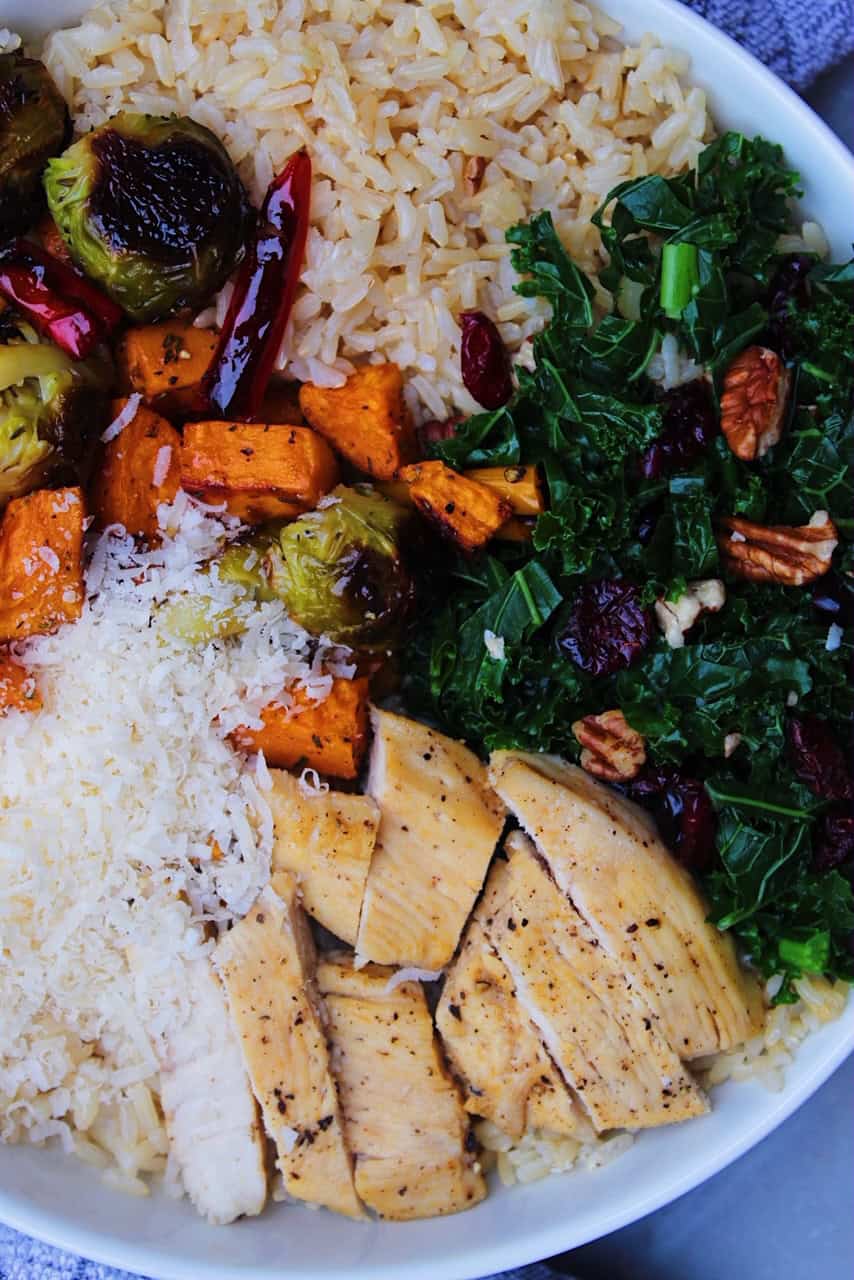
238, 375
484, 362
71, 284
69, 310
68, 324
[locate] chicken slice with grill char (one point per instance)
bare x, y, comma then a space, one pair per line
495, 1051
439, 825
402, 1113
644, 909
326, 838
267, 964
597, 1028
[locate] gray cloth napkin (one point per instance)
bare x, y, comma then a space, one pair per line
797, 39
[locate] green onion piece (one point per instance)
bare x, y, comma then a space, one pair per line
810, 956
679, 277
816, 372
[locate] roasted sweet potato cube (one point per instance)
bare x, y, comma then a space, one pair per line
516, 529
261, 471
139, 469
41, 562
522, 487
365, 420
464, 510
18, 691
165, 363
329, 736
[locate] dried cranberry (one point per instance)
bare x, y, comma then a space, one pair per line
485, 364
689, 426
835, 843
818, 759
608, 627
790, 283
683, 811
435, 430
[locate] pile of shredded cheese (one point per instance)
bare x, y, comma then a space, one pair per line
111, 799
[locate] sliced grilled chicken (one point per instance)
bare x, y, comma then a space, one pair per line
643, 908
326, 838
439, 827
555, 1108
402, 1114
597, 1029
493, 1049
211, 1115
266, 963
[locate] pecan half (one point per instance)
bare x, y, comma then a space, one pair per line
473, 172
788, 554
753, 403
613, 750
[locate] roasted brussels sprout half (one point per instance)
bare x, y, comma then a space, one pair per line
152, 208
246, 563
339, 570
51, 412
34, 125
196, 620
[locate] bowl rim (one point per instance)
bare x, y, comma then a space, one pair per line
531, 1244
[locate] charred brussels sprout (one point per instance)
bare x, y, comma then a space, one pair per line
197, 620
246, 563
51, 411
34, 125
152, 208
339, 570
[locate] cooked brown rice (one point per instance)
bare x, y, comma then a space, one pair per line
394, 99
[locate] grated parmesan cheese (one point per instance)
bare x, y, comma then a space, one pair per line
162, 463
109, 800
125, 416
48, 556
310, 784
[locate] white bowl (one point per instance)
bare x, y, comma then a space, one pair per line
62, 1201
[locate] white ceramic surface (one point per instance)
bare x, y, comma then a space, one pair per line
62, 1201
